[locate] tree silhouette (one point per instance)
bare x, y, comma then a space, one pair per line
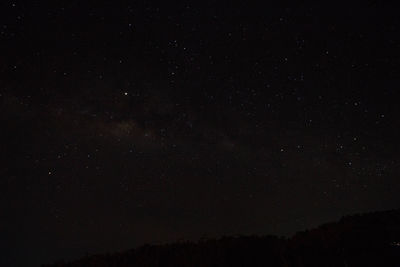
360, 240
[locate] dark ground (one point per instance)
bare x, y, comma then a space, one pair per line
361, 240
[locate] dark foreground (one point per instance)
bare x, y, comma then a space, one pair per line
360, 240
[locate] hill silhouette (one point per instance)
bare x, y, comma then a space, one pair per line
371, 239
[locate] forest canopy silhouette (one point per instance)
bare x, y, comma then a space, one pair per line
360, 240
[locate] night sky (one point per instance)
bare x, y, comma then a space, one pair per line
131, 123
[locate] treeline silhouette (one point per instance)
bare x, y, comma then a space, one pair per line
360, 240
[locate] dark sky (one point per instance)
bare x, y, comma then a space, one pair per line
133, 123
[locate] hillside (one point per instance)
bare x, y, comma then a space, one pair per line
371, 239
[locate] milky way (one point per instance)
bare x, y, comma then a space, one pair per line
127, 124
